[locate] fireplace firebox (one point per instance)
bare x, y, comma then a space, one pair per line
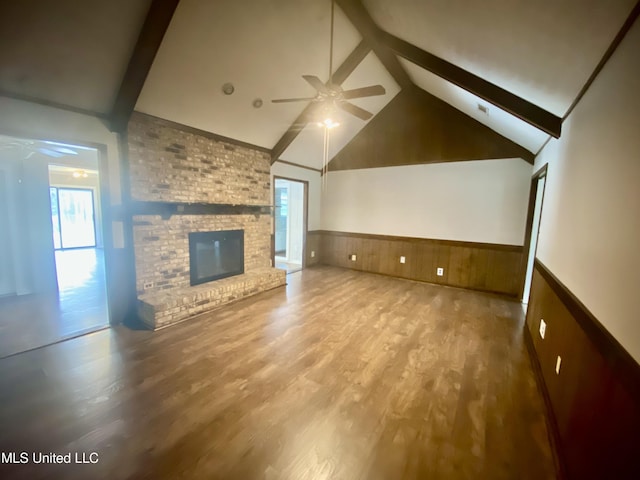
215, 255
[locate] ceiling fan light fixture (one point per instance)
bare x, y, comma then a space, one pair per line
328, 123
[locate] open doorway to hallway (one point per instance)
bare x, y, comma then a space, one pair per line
290, 223
536, 197
52, 277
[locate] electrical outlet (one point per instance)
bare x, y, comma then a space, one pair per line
353, 257
558, 362
543, 328
403, 260
148, 285
313, 253
440, 271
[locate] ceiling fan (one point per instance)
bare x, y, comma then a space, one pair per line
31, 147
332, 95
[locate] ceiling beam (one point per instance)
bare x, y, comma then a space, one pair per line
340, 75
360, 18
521, 108
153, 30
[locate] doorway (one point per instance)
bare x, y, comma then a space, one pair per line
73, 219
53, 275
536, 198
290, 223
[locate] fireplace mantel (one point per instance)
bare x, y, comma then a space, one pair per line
167, 209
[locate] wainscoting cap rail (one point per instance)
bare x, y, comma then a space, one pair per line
452, 243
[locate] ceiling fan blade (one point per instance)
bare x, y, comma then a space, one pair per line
286, 100
370, 91
65, 150
316, 83
354, 110
50, 153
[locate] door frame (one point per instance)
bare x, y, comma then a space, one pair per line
533, 192
305, 215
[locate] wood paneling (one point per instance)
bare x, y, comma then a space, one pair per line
477, 266
594, 403
313, 245
416, 128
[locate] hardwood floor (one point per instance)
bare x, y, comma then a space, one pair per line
288, 267
79, 306
342, 375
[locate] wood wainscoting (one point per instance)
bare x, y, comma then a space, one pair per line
477, 266
313, 247
594, 402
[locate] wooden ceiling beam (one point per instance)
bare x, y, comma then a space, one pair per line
340, 75
151, 35
521, 108
360, 18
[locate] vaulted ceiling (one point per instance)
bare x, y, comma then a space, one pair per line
75, 54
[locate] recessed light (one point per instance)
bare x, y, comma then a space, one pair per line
228, 88
257, 103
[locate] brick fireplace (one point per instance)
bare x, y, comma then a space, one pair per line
185, 181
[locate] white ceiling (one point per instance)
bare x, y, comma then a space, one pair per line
543, 51
262, 49
75, 53
70, 52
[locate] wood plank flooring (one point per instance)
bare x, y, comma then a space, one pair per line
79, 306
342, 375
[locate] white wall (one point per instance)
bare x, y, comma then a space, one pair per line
478, 201
295, 237
313, 177
30, 120
590, 228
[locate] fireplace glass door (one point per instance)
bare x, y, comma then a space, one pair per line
215, 255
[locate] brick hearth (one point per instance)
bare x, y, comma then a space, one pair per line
170, 164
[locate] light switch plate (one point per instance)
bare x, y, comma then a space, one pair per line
403, 259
